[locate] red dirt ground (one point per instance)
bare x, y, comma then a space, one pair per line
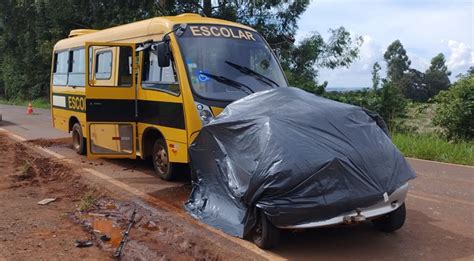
84, 211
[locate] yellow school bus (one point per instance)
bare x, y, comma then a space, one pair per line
145, 89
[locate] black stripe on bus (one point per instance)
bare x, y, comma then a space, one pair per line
166, 114
108, 110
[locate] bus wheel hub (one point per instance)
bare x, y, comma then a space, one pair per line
161, 160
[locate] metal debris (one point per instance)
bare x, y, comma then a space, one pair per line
46, 201
83, 243
131, 221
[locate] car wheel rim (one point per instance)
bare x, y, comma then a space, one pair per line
161, 160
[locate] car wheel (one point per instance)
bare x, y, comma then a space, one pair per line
78, 140
163, 167
265, 234
391, 221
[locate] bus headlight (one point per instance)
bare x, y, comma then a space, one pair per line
204, 113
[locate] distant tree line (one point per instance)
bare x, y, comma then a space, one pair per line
390, 96
30, 28
413, 84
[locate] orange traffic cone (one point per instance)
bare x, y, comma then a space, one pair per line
30, 109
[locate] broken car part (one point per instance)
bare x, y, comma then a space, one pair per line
131, 221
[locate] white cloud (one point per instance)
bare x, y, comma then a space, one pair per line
420, 25
359, 73
461, 55
418, 62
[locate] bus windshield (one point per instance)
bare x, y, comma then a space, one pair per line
228, 63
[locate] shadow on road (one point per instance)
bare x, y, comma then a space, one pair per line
5, 123
364, 242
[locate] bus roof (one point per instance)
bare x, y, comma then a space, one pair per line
138, 31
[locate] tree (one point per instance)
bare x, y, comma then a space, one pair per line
397, 60
413, 86
2, 91
455, 111
437, 76
30, 28
277, 22
392, 104
376, 75
470, 71
301, 62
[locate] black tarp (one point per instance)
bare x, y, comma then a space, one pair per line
296, 156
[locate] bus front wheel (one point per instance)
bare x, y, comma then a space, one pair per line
163, 167
78, 140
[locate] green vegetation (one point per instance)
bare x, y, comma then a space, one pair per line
420, 108
36, 103
455, 113
432, 147
87, 201
421, 130
26, 171
439, 131
30, 28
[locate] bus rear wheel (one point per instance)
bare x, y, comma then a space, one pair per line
78, 140
163, 167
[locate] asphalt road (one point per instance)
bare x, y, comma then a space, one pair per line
440, 204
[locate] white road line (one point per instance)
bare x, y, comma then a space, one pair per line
50, 152
14, 136
245, 244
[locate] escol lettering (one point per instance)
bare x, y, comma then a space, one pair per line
76, 103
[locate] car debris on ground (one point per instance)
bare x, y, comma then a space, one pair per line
46, 201
131, 222
83, 243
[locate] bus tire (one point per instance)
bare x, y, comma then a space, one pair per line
163, 167
78, 140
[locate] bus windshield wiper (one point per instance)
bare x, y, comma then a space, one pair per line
230, 82
256, 75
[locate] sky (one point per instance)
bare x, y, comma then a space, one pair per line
425, 28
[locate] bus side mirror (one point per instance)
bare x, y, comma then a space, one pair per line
162, 50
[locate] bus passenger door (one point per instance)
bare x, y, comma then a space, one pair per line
111, 100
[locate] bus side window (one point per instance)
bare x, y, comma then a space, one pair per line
125, 66
156, 77
103, 67
77, 68
60, 69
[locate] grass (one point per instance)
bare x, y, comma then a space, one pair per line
25, 172
432, 147
87, 201
419, 117
36, 103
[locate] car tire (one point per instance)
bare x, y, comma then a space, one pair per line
163, 167
265, 235
391, 221
79, 143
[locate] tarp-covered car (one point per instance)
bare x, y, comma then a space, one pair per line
285, 158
